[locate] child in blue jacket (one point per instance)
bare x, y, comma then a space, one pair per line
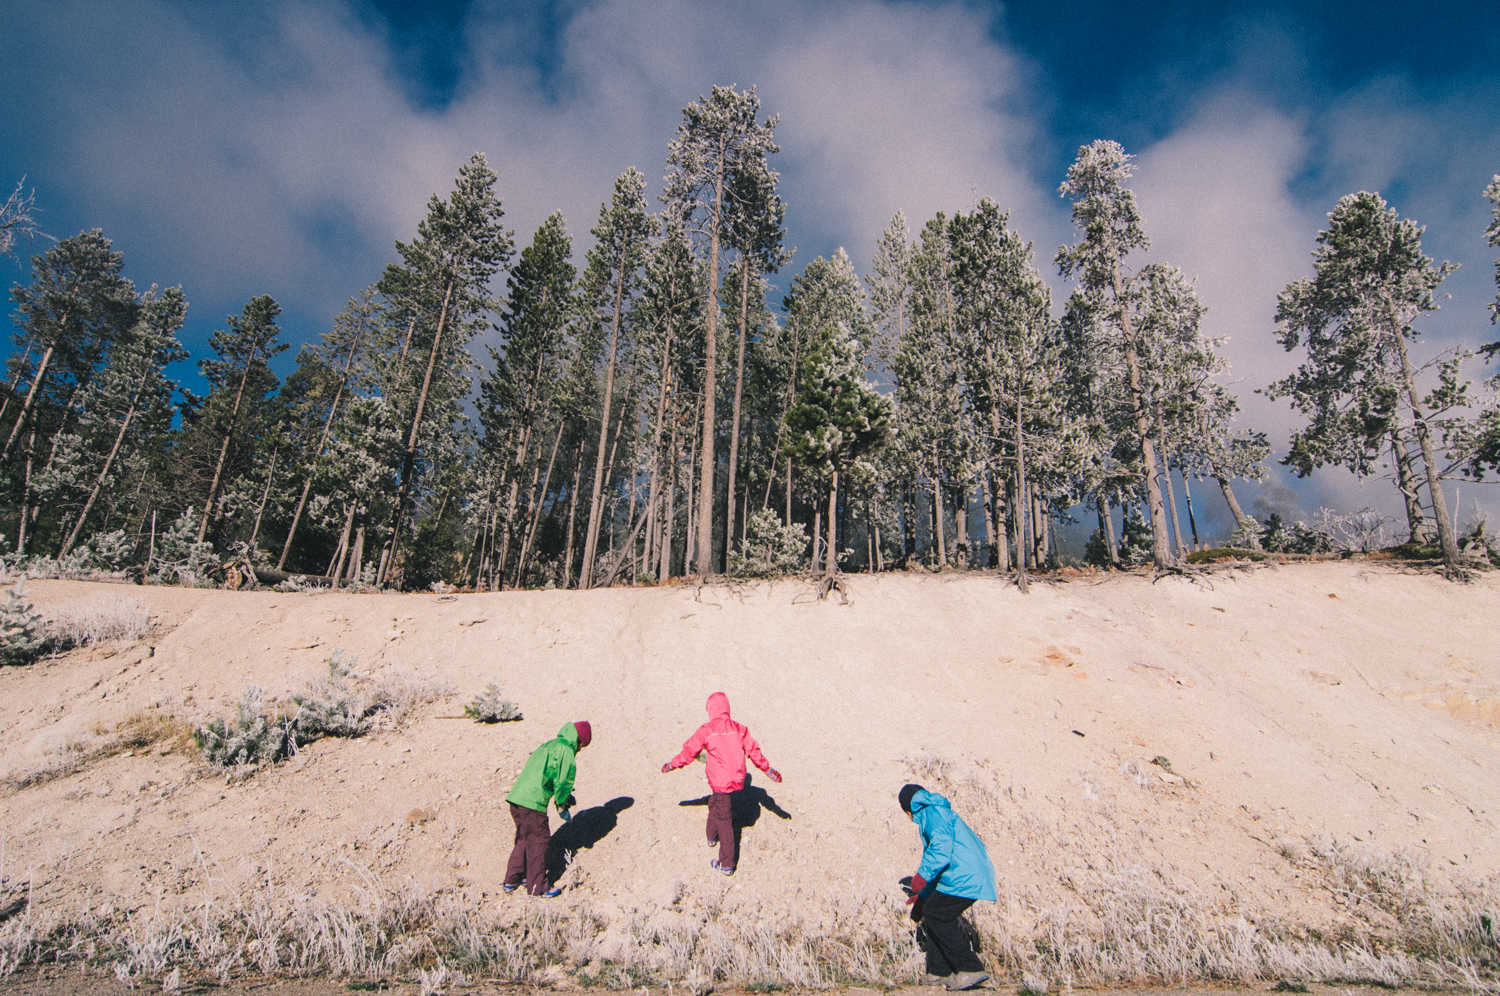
955, 873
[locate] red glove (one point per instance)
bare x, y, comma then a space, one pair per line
918, 883
666, 767
774, 775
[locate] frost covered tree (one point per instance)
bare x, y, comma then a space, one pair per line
16, 221
1109, 227
228, 419
1358, 385
442, 287
838, 422
77, 305
720, 152
611, 284
521, 400
330, 364
121, 412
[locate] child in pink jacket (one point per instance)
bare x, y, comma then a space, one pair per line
728, 744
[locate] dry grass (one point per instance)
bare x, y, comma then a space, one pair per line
1137, 928
94, 620
140, 731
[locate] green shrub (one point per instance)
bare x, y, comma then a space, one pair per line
330, 708
491, 706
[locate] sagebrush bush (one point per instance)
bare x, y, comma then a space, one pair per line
22, 633
770, 549
250, 738
491, 705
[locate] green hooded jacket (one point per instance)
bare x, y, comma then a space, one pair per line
548, 773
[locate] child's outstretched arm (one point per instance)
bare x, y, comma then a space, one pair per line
690, 749
752, 751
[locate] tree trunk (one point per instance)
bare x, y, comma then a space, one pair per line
1406, 482
961, 528
408, 463
937, 521
1018, 525
833, 550
1187, 497
25, 494
322, 442
108, 462
1107, 530
734, 421
536, 509
689, 554
1019, 506
1446, 538
1159, 551
265, 496
234, 413
1001, 543
36, 383
357, 560
1172, 500
669, 512
335, 566
596, 495
1242, 521
817, 543
710, 356
572, 516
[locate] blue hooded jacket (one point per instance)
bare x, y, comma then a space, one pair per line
954, 861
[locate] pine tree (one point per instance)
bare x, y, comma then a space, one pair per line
1358, 385
520, 401
611, 283
720, 153
441, 288
1109, 226
121, 411
838, 421
233, 412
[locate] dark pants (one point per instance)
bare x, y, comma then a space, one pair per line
528, 859
945, 937
721, 827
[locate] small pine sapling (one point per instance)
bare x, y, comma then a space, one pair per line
491, 706
21, 631
330, 708
770, 549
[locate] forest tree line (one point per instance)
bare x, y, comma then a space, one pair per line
651, 412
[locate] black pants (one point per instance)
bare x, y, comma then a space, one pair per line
946, 938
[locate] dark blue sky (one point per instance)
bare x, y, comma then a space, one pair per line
280, 146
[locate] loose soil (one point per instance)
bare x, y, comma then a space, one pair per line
1202, 729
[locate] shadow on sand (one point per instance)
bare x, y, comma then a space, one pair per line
745, 807
587, 828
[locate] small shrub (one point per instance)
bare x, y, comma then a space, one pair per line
251, 738
330, 708
491, 706
22, 635
770, 549
179, 558
1135, 538
113, 551
106, 617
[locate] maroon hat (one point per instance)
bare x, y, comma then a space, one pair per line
585, 733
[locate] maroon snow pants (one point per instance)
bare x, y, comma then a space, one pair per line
528, 859
721, 827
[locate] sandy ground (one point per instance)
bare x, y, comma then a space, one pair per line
1332, 700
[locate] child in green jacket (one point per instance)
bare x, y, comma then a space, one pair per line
548, 775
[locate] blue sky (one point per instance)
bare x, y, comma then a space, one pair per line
280, 146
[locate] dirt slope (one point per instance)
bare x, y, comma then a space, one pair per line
1303, 704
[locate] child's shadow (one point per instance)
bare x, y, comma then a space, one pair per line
744, 807
586, 829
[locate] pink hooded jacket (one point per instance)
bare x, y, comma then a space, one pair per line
728, 744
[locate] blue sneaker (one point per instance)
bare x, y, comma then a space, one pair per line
552, 893
509, 888
714, 864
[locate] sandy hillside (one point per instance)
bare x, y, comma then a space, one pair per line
1298, 706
